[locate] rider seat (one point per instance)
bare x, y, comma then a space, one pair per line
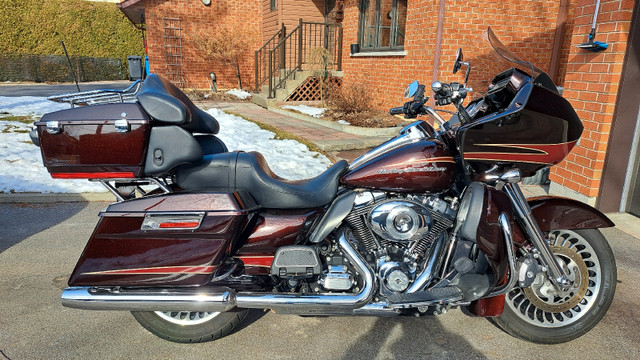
240, 171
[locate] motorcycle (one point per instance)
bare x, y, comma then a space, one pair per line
431, 220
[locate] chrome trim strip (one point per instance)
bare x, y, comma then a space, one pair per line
53, 127
154, 221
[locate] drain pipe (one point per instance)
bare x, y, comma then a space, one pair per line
436, 53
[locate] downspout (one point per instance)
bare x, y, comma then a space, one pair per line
436, 54
561, 21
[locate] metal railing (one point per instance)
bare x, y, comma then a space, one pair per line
323, 35
293, 51
285, 59
262, 58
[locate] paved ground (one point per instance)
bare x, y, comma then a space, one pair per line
39, 244
327, 139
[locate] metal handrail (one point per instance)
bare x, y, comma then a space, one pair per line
260, 75
278, 59
293, 51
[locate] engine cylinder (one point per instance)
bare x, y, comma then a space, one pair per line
401, 221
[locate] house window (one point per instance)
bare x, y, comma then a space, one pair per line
272, 5
382, 24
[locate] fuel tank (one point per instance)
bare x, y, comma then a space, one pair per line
423, 166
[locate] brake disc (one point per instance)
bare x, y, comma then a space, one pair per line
546, 297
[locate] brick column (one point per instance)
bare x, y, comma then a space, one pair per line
591, 85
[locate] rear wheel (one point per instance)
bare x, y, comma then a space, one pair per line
190, 326
543, 314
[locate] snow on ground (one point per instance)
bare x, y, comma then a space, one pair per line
240, 94
343, 122
287, 158
21, 168
305, 109
29, 105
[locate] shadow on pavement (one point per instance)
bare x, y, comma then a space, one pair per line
411, 338
20, 220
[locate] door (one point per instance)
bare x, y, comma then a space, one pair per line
620, 186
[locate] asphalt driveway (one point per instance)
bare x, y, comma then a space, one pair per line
39, 244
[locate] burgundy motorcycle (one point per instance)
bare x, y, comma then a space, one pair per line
432, 219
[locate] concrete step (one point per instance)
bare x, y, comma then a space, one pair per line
292, 83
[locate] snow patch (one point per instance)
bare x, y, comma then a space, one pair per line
240, 94
305, 109
343, 122
287, 158
29, 105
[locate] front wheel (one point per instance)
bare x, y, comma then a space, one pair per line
190, 326
542, 314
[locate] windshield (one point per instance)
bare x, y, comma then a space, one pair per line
506, 54
489, 57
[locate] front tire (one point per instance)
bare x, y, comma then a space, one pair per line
190, 326
541, 314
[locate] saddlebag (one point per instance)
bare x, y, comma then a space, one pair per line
167, 240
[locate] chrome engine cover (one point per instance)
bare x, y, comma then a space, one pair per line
400, 221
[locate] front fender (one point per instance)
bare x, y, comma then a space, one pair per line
554, 213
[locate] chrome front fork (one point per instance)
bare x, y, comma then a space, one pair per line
523, 212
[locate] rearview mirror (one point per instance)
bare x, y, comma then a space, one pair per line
459, 60
459, 63
410, 91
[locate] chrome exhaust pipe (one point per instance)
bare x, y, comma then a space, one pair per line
318, 302
223, 299
88, 298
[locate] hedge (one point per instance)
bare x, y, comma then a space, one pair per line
89, 29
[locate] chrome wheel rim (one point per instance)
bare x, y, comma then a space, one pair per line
186, 317
542, 305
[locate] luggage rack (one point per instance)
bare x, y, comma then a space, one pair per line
125, 189
102, 96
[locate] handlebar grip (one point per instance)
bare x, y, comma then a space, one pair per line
396, 111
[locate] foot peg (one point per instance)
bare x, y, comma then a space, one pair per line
460, 267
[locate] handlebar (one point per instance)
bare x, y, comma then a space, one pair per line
444, 94
396, 111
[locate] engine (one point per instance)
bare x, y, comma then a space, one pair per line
395, 233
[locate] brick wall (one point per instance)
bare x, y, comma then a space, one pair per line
528, 27
591, 85
199, 19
